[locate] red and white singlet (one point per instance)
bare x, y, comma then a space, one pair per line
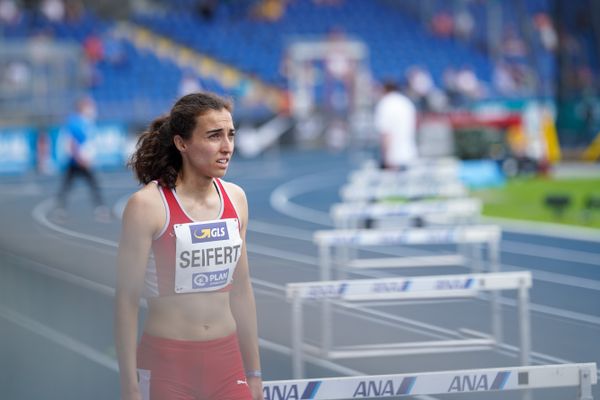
194, 256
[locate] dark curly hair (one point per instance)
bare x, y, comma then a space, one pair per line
156, 157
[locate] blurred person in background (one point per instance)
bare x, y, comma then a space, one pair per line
423, 92
200, 338
396, 122
53, 10
80, 153
10, 14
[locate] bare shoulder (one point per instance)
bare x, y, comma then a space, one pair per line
236, 193
238, 198
145, 206
146, 197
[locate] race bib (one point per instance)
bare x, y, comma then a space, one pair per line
206, 254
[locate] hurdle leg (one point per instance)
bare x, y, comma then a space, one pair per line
524, 331
297, 339
325, 260
476, 259
524, 323
494, 255
345, 253
585, 385
340, 262
463, 250
496, 313
496, 309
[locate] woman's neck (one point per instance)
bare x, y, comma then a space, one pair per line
198, 187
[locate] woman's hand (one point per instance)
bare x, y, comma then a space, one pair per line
256, 388
132, 393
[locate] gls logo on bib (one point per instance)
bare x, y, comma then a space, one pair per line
202, 233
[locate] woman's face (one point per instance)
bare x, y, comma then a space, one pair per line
210, 147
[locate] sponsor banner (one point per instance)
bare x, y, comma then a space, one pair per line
423, 189
389, 386
444, 235
414, 287
17, 150
466, 206
431, 383
392, 386
382, 288
107, 147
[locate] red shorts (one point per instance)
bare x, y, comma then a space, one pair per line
191, 370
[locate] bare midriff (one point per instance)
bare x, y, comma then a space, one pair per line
193, 316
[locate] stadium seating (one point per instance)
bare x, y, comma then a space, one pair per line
146, 84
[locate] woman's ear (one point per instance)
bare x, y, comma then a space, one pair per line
179, 143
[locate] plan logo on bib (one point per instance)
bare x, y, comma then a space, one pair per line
210, 279
212, 232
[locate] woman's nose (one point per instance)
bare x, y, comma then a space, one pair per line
227, 144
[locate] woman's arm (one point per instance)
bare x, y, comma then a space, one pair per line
243, 305
134, 248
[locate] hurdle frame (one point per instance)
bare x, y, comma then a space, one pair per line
522, 378
424, 287
329, 240
370, 169
356, 193
351, 215
376, 176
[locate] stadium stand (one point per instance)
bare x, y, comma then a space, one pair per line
241, 36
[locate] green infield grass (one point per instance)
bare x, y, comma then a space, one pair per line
526, 199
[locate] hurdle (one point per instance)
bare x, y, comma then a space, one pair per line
370, 169
422, 189
372, 176
473, 235
524, 378
424, 287
457, 211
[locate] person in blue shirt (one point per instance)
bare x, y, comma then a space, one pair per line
79, 127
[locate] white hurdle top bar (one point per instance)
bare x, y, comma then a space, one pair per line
466, 207
448, 170
354, 192
435, 383
437, 286
409, 236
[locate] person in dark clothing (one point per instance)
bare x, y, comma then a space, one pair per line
79, 127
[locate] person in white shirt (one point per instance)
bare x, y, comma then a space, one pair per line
396, 122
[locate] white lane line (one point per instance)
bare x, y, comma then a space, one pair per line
558, 279
280, 230
20, 189
39, 215
40, 211
282, 195
541, 251
107, 361
59, 338
543, 276
546, 229
110, 363
280, 198
282, 254
292, 232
